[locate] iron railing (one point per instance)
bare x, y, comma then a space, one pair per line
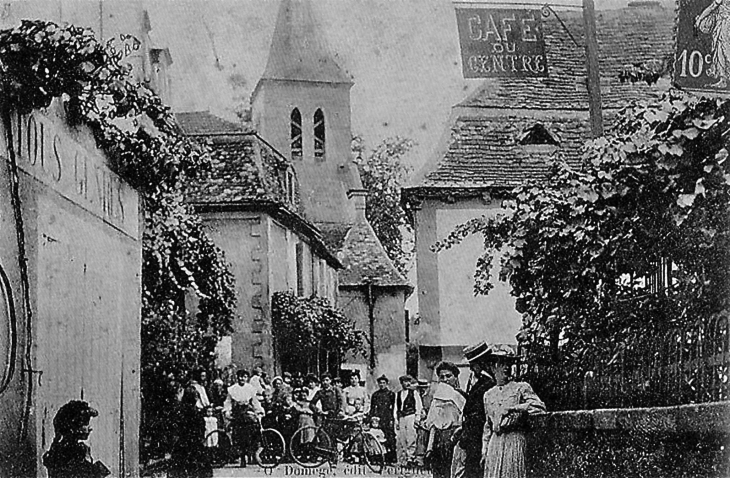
684, 366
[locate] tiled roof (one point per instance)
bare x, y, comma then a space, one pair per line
626, 36
365, 260
481, 148
246, 171
484, 151
202, 122
243, 169
334, 234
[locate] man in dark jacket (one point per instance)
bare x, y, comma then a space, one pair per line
474, 417
381, 406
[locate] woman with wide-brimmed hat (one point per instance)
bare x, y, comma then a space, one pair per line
506, 406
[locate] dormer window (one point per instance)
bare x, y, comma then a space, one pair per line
537, 135
319, 135
296, 134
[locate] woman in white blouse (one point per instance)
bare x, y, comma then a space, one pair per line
506, 405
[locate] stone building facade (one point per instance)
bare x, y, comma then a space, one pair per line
250, 206
503, 134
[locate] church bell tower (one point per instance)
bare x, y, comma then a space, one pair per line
301, 105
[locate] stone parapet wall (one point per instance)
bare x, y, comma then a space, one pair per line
680, 441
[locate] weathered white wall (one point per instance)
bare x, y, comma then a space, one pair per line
450, 313
82, 233
389, 330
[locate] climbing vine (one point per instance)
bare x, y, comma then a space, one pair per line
41, 61
306, 325
633, 242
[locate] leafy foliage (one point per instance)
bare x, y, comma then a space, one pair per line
383, 174
584, 245
646, 453
648, 72
41, 61
305, 325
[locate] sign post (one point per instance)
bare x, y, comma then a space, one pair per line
593, 74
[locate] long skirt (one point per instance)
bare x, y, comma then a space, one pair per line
506, 456
306, 420
443, 453
246, 431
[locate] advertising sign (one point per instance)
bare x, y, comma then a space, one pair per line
501, 43
702, 59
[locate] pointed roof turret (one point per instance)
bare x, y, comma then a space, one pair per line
298, 51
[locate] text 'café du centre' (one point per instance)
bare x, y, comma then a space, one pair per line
501, 42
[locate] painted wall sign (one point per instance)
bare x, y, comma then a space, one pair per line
501, 43
46, 149
702, 60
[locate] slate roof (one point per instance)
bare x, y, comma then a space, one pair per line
334, 234
202, 122
362, 255
481, 147
246, 172
365, 260
484, 151
626, 36
242, 170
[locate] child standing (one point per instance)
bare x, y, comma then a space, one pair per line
211, 425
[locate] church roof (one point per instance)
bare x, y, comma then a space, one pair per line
298, 51
363, 257
243, 169
482, 147
246, 173
203, 122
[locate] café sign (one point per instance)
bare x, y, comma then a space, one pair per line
501, 43
702, 57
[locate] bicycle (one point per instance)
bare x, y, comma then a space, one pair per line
271, 452
312, 446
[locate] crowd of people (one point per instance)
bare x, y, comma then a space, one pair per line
436, 425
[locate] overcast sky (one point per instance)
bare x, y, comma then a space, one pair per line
402, 54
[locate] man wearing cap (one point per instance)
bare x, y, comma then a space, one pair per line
474, 416
381, 407
407, 410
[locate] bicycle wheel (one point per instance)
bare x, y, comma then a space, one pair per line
273, 448
219, 448
372, 453
311, 446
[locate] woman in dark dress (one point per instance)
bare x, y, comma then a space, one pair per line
189, 459
69, 456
